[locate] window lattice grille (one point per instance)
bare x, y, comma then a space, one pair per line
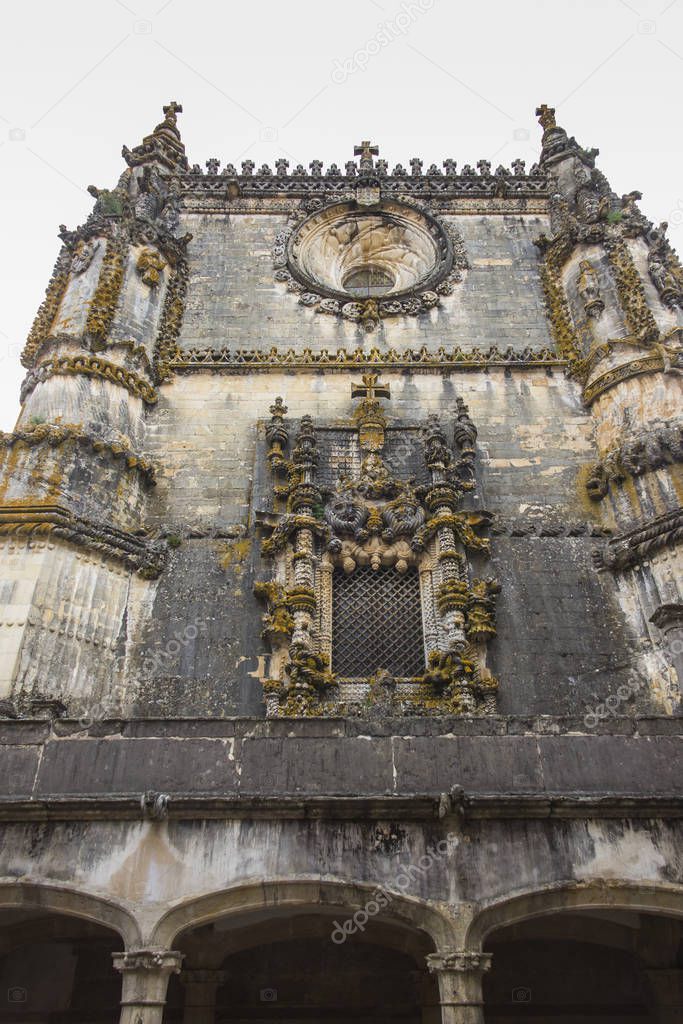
376, 623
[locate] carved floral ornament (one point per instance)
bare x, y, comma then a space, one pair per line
374, 519
368, 263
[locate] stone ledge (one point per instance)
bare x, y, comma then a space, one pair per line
419, 807
317, 761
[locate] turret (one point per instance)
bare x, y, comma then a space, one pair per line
614, 294
74, 470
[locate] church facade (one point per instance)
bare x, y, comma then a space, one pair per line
342, 602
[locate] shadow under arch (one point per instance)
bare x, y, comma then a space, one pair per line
280, 895
665, 900
71, 902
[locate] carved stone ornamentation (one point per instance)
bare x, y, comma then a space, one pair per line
377, 520
589, 289
664, 273
149, 266
368, 260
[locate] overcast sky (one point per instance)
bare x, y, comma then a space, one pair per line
306, 80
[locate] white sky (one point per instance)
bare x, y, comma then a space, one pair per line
261, 80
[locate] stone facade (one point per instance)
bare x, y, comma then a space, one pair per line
342, 624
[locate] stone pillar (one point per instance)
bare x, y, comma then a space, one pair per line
201, 985
667, 987
460, 973
145, 974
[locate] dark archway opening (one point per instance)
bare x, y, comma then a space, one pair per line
288, 968
605, 967
57, 969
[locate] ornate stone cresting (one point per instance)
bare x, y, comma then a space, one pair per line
375, 519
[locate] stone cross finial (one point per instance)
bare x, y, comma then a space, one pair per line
546, 116
365, 150
212, 165
370, 388
171, 110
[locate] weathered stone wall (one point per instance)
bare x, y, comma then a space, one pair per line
235, 301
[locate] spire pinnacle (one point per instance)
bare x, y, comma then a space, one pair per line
546, 116
163, 147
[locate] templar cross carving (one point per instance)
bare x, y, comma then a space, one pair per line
365, 150
370, 389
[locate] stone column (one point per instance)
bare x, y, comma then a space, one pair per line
460, 973
145, 974
667, 987
201, 985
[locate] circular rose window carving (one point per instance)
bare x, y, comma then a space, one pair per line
367, 264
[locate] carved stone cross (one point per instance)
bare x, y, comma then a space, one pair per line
171, 110
365, 150
370, 389
546, 116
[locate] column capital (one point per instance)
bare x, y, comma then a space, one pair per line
459, 960
149, 960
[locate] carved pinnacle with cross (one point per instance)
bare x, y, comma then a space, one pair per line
370, 389
365, 150
171, 110
546, 116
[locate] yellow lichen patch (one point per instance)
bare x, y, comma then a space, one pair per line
233, 555
102, 306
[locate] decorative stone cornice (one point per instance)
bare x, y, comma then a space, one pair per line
90, 366
442, 358
459, 960
31, 521
644, 541
53, 435
663, 359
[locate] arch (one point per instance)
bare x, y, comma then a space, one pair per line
71, 902
300, 894
600, 894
